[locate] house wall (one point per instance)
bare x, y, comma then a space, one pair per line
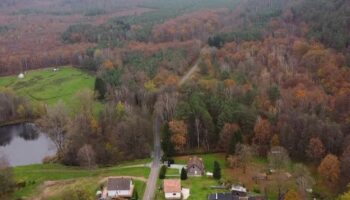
173, 195
192, 171
113, 193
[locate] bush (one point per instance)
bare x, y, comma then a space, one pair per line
135, 195
21, 184
162, 172
256, 190
171, 161
76, 194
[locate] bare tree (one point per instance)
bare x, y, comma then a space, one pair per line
6, 176
165, 105
278, 158
55, 125
245, 154
86, 156
303, 178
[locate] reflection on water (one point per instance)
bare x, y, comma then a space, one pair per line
23, 144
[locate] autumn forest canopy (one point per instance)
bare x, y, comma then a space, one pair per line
265, 74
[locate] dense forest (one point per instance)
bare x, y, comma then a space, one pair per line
271, 74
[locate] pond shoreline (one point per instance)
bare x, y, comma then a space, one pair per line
24, 143
16, 122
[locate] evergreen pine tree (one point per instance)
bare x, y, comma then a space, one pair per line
183, 174
101, 88
162, 172
167, 145
217, 171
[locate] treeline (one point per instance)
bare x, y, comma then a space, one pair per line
282, 90
328, 21
141, 68
68, 55
112, 33
14, 108
86, 140
248, 22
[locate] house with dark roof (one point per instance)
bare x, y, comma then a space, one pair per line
120, 188
195, 166
223, 196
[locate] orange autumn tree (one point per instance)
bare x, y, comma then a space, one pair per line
329, 169
262, 131
292, 195
179, 134
108, 65
316, 149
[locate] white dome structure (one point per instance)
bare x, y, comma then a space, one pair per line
21, 76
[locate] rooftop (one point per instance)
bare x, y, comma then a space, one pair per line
238, 188
119, 184
172, 185
195, 161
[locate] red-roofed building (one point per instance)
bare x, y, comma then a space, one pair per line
172, 188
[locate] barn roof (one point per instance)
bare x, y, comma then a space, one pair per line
118, 184
195, 161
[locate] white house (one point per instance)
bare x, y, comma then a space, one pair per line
120, 188
172, 188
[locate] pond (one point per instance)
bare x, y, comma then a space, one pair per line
23, 144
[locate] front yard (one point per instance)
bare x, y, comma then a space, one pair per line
56, 178
200, 187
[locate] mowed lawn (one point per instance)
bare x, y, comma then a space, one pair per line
35, 176
45, 85
208, 160
200, 187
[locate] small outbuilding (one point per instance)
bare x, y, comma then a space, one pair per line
195, 166
238, 190
172, 188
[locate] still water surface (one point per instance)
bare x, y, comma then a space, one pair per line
23, 144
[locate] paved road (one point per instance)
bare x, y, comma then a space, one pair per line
153, 177
155, 166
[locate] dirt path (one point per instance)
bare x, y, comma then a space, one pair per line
188, 74
131, 177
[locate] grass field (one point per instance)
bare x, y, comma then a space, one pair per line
200, 186
36, 175
208, 160
45, 85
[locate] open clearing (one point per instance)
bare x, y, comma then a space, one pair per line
47, 86
52, 179
200, 187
